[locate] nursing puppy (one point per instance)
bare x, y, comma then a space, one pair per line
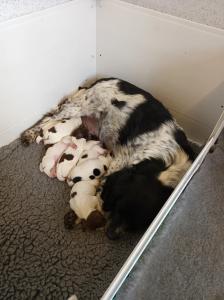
151, 152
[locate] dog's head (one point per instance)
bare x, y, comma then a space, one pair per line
106, 108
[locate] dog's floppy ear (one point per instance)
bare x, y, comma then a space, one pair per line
95, 220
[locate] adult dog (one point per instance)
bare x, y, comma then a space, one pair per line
151, 152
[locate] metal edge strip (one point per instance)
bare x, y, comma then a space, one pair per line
150, 232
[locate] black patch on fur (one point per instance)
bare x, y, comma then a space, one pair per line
41, 133
82, 88
147, 116
52, 129
117, 103
101, 80
73, 194
77, 179
62, 102
105, 167
96, 172
181, 139
85, 156
63, 121
92, 177
134, 195
48, 146
66, 157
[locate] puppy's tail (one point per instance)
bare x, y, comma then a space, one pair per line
173, 174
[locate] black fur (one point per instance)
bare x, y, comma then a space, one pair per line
77, 179
66, 156
73, 194
118, 104
148, 116
96, 172
134, 196
181, 139
52, 129
101, 80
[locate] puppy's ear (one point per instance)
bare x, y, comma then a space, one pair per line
95, 220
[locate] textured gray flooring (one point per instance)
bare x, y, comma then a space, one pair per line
186, 257
201, 11
39, 259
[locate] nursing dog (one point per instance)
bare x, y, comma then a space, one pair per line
150, 150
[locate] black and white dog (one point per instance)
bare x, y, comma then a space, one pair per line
151, 151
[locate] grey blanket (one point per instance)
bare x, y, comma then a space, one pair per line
39, 259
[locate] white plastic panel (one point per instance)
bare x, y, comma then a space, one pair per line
43, 56
178, 61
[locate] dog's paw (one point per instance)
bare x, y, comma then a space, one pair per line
69, 219
28, 137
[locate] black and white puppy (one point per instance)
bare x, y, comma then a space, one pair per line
151, 151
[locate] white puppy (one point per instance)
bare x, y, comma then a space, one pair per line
86, 204
89, 169
69, 158
53, 154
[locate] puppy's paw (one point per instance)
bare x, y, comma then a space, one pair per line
69, 219
28, 137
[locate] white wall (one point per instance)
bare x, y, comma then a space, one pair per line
10, 9
47, 54
43, 56
179, 62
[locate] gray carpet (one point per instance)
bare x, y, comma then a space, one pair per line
39, 259
186, 257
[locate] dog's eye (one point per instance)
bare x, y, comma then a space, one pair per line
118, 104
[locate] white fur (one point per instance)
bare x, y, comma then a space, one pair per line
76, 149
85, 169
86, 200
52, 155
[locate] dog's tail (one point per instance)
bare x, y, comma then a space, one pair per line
173, 174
